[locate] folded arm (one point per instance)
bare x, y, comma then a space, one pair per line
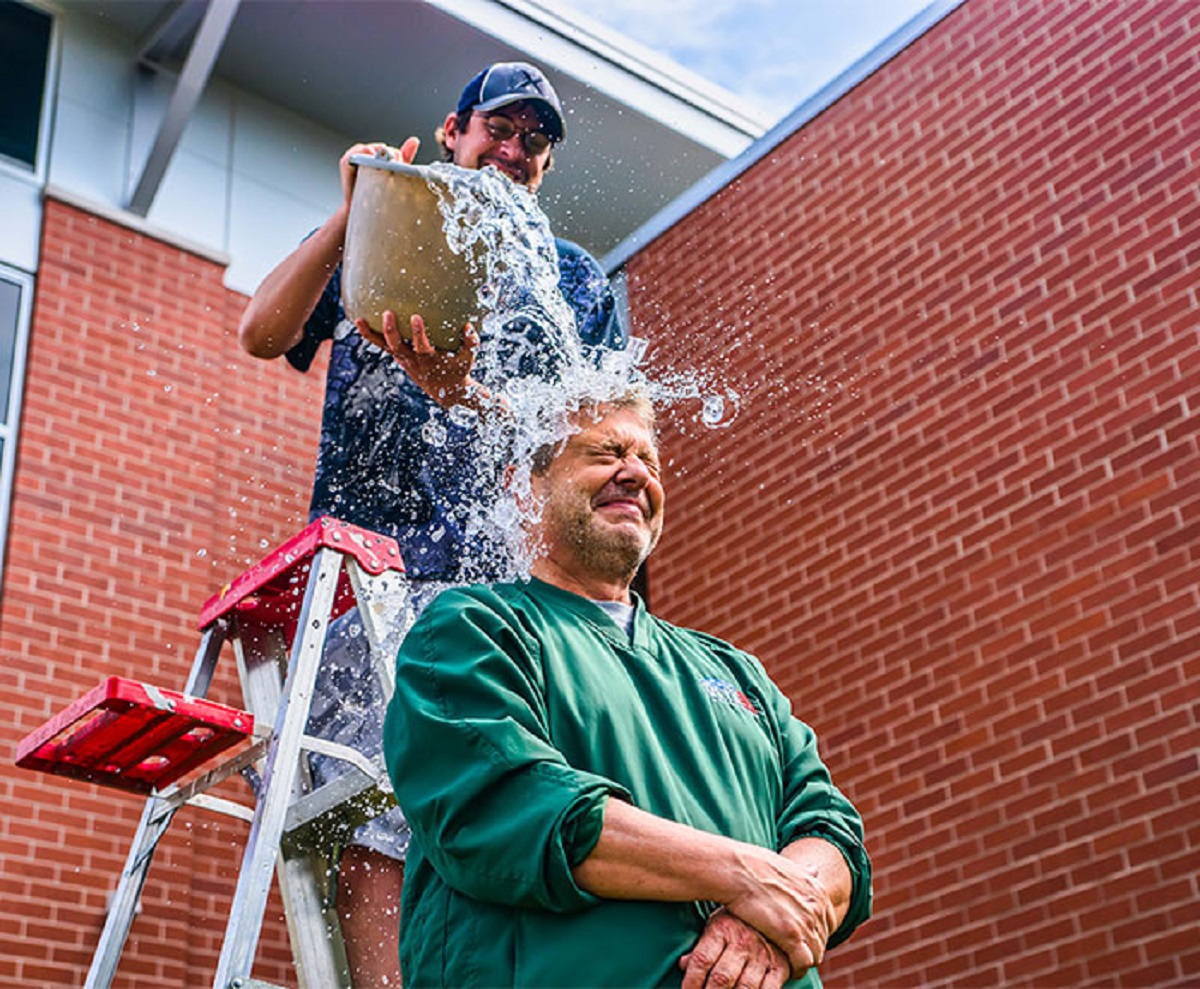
796, 899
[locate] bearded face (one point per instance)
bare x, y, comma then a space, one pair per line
601, 499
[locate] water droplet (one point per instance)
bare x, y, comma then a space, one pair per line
434, 433
463, 417
713, 410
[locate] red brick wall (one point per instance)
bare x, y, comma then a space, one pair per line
959, 513
155, 460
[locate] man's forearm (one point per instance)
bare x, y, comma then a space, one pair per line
274, 319
829, 868
783, 896
643, 857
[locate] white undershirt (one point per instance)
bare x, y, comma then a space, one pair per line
621, 613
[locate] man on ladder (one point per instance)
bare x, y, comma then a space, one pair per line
376, 468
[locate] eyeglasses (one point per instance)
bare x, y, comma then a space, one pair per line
501, 129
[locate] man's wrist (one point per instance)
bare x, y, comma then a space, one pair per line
829, 870
470, 394
749, 868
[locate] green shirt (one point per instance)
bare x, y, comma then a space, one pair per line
519, 710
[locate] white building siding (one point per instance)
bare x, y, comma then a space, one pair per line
247, 181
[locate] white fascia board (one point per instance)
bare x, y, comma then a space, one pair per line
620, 69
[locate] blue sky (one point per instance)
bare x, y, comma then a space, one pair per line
772, 53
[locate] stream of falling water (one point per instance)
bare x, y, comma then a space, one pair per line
531, 354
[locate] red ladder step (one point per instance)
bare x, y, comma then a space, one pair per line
133, 736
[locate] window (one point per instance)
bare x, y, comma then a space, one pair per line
24, 56
16, 290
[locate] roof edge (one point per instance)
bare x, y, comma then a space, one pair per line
809, 109
598, 57
651, 66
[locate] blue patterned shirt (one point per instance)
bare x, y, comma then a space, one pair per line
376, 467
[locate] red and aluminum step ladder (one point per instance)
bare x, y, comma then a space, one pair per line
145, 739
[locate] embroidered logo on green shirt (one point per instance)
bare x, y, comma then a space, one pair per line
726, 693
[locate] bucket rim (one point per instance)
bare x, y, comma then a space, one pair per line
388, 165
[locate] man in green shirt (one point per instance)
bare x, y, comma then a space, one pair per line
597, 797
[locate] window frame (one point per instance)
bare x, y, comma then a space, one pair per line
10, 424
13, 166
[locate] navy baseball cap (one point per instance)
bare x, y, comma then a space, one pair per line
512, 82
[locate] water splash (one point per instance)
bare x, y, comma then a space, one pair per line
498, 224
530, 353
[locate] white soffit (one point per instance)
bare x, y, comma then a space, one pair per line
619, 68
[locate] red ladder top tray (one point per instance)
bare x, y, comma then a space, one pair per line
132, 736
272, 590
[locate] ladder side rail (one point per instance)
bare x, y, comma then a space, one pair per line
123, 906
204, 664
307, 882
261, 652
281, 775
151, 827
314, 930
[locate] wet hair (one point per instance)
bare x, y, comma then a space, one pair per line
633, 401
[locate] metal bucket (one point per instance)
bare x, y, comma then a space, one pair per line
396, 256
